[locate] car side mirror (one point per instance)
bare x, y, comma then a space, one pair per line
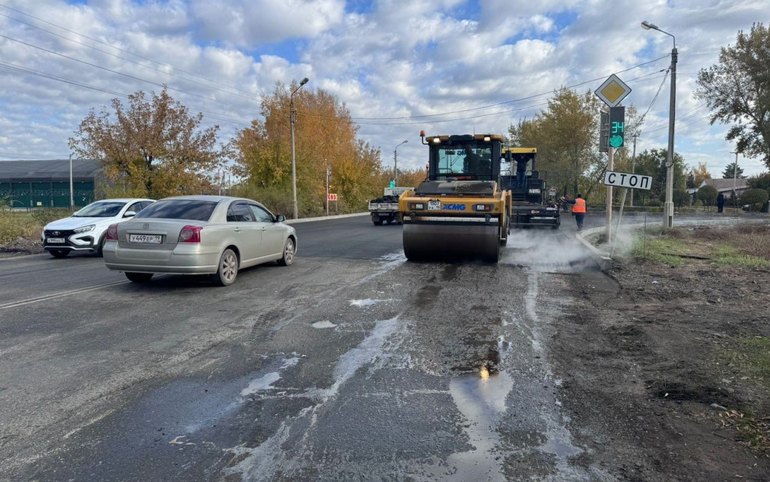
129, 214
280, 218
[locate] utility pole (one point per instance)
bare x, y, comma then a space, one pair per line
633, 166
735, 178
328, 178
395, 162
610, 167
668, 207
72, 193
292, 120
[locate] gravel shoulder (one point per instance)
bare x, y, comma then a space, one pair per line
665, 361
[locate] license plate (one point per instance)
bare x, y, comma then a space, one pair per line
145, 238
434, 205
54, 240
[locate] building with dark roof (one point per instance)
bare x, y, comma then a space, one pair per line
727, 186
31, 184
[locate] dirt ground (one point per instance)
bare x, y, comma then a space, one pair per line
672, 358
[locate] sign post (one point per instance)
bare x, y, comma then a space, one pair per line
612, 92
627, 181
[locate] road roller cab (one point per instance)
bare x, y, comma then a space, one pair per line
459, 211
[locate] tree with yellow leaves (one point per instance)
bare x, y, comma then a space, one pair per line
152, 147
325, 138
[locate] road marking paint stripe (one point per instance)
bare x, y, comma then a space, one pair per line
61, 294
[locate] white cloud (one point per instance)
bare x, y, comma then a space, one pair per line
394, 59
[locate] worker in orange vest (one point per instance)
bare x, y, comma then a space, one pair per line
579, 210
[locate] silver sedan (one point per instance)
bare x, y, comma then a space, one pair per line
216, 235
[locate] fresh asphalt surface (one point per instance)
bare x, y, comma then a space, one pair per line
352, 363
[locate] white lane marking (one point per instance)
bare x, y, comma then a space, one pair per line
60, 294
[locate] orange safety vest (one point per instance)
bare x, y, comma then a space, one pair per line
580, 206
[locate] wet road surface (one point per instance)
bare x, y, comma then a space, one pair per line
351, 364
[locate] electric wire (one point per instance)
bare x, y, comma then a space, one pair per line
125, 51
17, 68
654, 98
511, 101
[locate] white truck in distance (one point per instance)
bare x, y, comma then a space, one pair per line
385, 208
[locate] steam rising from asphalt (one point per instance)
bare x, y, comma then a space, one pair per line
546, 250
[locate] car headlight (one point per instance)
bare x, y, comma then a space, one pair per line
84, 229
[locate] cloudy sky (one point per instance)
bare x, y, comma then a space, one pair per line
445, 66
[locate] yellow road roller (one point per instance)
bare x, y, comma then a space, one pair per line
460, 211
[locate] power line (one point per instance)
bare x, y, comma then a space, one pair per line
17, 68
161, 64
521, 99
654, 98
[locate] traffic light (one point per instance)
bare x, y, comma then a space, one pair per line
617, 126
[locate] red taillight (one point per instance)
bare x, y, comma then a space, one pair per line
112, 233
190, 234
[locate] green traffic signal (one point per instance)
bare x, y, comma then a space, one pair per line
616, 141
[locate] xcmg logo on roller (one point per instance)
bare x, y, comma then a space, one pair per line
454, 207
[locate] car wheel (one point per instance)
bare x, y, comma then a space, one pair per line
288, 253
59, 253
228, 268
139, 277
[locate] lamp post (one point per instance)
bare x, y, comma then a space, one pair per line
668, 207
292, 119
735, 178
395, 162
72, 191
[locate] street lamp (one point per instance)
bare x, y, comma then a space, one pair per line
292, 119
395, 162
668, 207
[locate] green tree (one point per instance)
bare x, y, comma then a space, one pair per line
760, 181
730, 171
737, 90
755, 198
707, 195
152, 147
325, 137
566, 137
653, 163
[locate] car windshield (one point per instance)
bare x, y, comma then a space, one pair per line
179, 209
467, 159
100, 209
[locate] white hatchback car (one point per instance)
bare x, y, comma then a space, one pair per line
85, 230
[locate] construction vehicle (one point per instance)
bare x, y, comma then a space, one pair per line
460, 210
385, 208
531, 203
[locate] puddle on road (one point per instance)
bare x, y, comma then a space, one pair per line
480, 397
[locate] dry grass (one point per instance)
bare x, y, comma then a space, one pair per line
745, 245
18, 225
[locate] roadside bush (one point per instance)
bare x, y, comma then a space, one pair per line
756, 198
681, 198
274, 198
46, 215
17, 225
707, 195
